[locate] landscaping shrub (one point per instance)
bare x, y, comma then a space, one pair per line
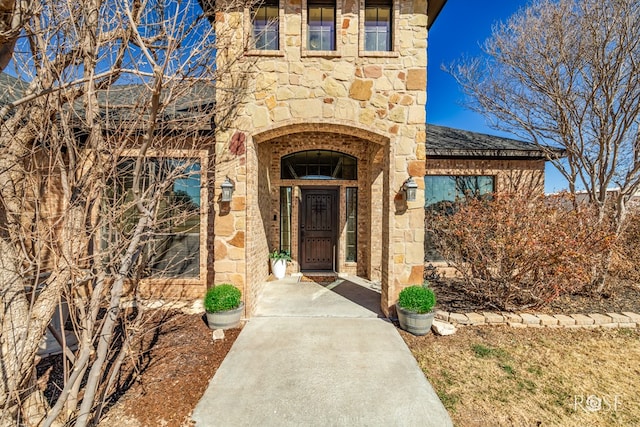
221, 298
517, 251
626, 259
416, 298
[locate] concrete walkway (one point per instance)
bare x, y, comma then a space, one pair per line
319, 356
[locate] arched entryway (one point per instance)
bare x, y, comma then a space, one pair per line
324, 198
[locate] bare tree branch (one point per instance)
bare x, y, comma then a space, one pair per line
565, 74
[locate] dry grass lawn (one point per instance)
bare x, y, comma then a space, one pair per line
501, 376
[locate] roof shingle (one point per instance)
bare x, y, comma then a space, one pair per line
449, 142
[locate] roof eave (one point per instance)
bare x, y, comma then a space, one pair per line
433, 10
492, 154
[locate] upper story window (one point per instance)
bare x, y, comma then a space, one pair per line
378, 16
265, 17
321, 26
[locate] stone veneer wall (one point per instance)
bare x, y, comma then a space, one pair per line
379, 97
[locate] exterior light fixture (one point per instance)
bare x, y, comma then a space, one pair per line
410, 187
227, 190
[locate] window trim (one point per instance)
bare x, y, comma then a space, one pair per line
248, 24
203, 157
395, 17
305, 52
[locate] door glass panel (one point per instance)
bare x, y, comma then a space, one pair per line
285, 219
352, 225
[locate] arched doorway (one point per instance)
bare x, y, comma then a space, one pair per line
362, 198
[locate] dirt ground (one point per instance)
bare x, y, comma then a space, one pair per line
179, 359
180, 364
621, 296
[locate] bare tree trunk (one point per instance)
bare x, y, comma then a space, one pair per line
65, 132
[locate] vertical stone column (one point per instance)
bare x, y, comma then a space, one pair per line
232, 137
406, 224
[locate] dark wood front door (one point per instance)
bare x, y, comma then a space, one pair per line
318, 226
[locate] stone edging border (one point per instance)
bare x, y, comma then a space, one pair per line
625, 319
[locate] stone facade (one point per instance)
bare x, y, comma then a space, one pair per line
367, 104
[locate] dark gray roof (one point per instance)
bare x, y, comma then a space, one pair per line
126, 104
191, 104
11, 88
449, 142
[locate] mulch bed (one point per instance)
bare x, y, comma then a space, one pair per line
621, 296
181, 362
177, 359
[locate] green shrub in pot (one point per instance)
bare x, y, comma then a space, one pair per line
417, 298
224, 306
415, 308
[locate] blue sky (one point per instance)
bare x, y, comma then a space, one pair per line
461, 27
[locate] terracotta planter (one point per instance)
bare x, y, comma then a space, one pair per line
225, 319
415, 323
279, 268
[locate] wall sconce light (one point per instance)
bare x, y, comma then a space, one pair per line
227, 190
410, 187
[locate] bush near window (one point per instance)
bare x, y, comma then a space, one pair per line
517, 251
626, 258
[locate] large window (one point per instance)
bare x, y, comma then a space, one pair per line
170, 187
321, 25
319, 164
377, 25
442, 192
266, 34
